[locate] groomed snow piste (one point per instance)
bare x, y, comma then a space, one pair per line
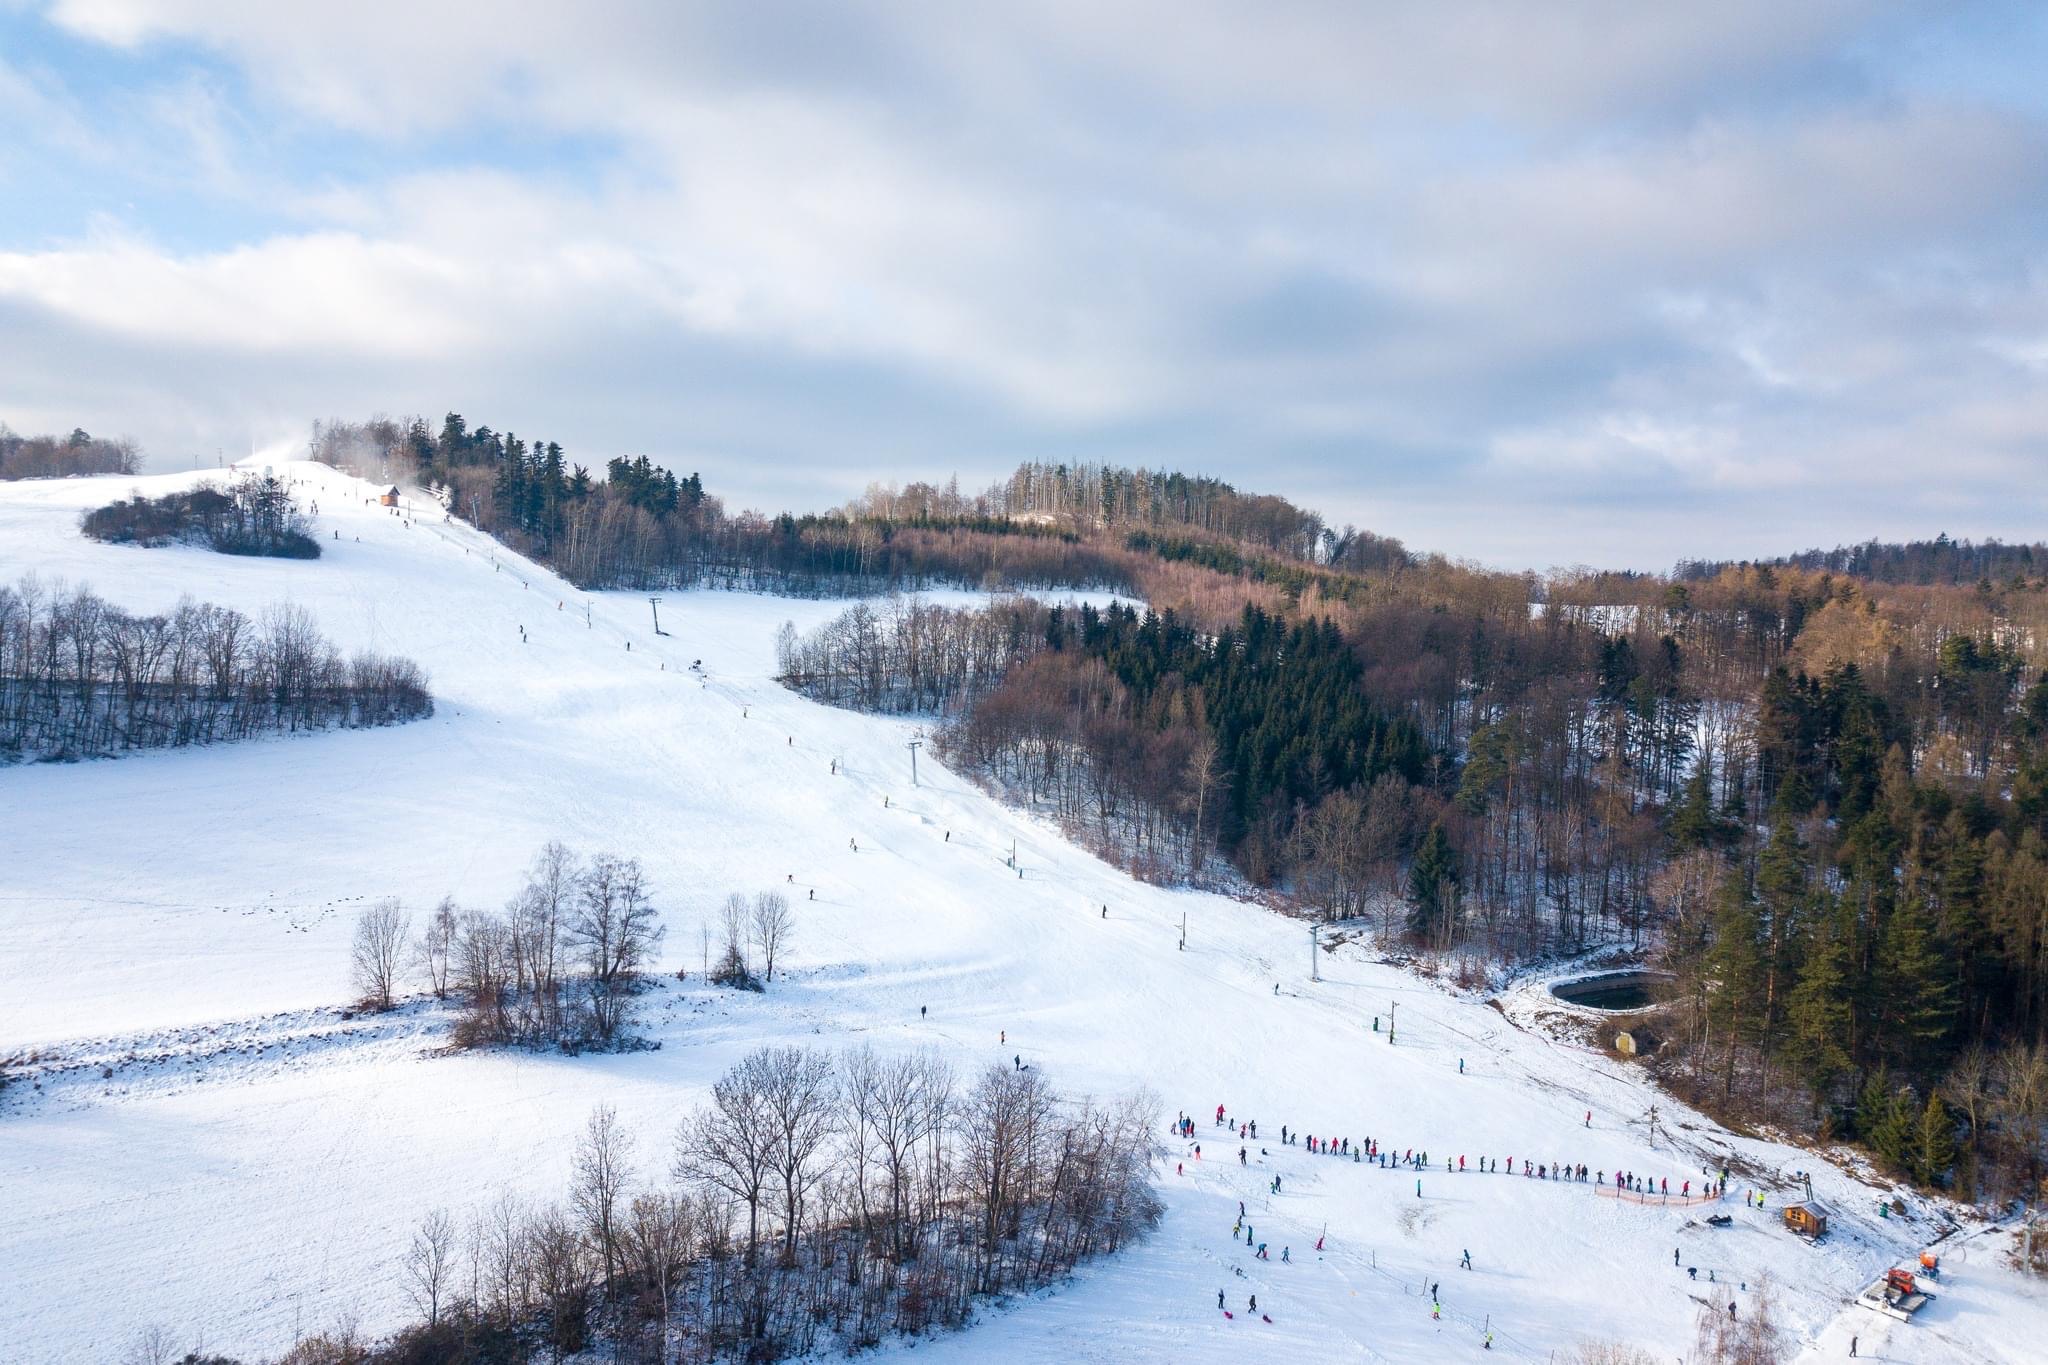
253, 1167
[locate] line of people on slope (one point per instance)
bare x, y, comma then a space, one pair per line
1368, 1151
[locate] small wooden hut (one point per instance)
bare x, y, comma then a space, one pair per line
390, 498
1807, 1217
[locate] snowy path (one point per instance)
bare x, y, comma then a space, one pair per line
160, 896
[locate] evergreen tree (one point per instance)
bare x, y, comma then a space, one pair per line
454, 441
1933, 1148
1490, 757
2030, 778
1735, 962
1433, 887
1959, 875
1857, 728
1916, 1001
1885, 1120
1819, 1016
1785, 741
1694, 823
1783, 878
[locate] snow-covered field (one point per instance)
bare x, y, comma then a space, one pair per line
253, 1164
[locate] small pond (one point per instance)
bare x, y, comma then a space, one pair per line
1615, 990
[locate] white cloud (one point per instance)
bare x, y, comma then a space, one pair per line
1566, 252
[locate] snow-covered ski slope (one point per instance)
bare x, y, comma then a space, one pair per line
254, 1167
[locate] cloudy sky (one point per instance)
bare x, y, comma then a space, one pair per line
1578, 282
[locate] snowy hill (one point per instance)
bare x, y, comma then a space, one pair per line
252, 1166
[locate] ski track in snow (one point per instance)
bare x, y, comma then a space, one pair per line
255, 1161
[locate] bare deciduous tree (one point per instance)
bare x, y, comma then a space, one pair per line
890, 1109
1610, 1353
153, 1345
1001, 1121
437, 945
727, 1146
658, 1239
797, 1087
615, 930
382, 931
773, 924
430, 1264
732, 953
554, 1251
603, 1168
540, 913
1751, 1339
498, 1253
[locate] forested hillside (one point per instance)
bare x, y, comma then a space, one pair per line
1924, 562
1821, 798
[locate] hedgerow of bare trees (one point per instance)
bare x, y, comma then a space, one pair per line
817, 1202
57, 457
560, 966
82, 678
909, 655
751, 931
